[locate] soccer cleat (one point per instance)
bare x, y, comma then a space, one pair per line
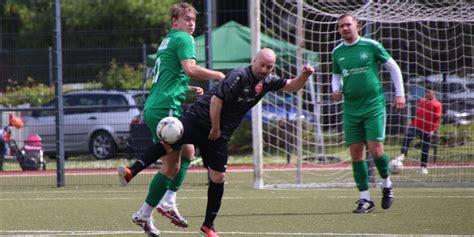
364, 206
172, 213
424, 170
146, 224
387, 197
196, 162
208, 231
124, 174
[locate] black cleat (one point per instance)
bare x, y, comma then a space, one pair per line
387, 197
364, 206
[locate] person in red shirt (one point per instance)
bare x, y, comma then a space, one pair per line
424, 125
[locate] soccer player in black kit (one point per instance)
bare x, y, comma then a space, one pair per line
210, 122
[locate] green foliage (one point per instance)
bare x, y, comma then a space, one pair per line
34, 95
126, 77
241, 141
36, 19
456, 134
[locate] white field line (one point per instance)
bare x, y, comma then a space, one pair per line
232, 198
238, 233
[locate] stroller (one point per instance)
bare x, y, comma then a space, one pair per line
30, 156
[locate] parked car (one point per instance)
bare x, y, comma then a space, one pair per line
459, 113
96, 122
451, 89
456, 94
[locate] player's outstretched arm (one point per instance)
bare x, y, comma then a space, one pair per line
199, 73
196, 89
297, 83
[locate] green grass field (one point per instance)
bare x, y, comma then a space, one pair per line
105, 210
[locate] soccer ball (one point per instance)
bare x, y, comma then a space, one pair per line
395, 166
169, 130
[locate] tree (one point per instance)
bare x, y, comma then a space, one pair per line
109, 23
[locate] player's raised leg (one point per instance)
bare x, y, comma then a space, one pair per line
167, 206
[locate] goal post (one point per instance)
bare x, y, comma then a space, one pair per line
302, 141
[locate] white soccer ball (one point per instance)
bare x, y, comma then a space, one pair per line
395, 166
169, 130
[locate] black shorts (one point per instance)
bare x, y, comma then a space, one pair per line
214, 153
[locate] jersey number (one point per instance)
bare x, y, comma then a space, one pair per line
156, 71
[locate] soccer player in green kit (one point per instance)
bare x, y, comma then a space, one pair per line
175, 64
355, 65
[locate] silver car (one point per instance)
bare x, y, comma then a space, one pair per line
96, 122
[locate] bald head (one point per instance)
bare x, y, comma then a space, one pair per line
263, 63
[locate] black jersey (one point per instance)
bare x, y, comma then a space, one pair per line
239, 92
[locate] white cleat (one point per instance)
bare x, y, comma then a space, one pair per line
146, 224
171, 212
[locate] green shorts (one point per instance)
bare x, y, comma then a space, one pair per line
366, 127
153, 116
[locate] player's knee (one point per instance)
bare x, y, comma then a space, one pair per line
169, 170
377, 154
188, 151
217, 177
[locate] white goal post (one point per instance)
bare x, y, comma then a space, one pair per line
301, 138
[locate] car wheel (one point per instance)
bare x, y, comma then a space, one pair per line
102, 145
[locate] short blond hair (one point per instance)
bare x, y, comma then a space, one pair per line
179, 9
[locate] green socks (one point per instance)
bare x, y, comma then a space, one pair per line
160, 183
181, 175
361, 174
382, 166
158, 187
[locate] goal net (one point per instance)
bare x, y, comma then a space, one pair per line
432, 41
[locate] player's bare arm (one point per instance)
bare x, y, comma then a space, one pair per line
196, 89
336, 95
299, 82
215, 115
199, 73
400, 103
336, 87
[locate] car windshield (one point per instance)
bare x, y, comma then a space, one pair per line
460, 106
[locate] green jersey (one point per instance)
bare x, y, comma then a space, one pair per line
358, 64
169, 85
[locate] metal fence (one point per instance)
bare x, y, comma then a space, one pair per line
97, 37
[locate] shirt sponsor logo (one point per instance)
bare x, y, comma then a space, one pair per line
164, 44
345, 73
358, 70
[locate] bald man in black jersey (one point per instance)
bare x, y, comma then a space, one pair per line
210, 121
